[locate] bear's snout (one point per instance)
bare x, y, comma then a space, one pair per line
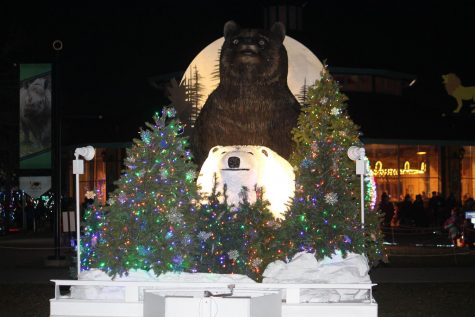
249, 50
234, 162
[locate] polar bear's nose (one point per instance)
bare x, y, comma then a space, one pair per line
234, 162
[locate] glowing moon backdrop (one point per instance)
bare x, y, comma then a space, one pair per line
304, 68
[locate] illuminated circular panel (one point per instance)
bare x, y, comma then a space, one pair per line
304, 67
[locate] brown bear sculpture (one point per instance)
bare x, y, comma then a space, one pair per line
252, 104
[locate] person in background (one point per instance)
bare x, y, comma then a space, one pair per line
451, 225
451, 201
405, 211
395, 221
469, 233
418, 212
469, 204
424, 196
436, 206
386, 209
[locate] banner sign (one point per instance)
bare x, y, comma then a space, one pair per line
35, 116
35, 186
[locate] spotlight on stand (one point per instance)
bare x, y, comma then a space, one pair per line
87, 153
358, 155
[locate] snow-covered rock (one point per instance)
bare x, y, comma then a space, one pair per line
304, 268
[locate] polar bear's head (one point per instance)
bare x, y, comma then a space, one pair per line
248, 166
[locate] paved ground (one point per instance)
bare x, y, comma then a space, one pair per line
24, 259
418, 281
423, 275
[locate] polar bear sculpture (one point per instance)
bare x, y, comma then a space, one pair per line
249, 166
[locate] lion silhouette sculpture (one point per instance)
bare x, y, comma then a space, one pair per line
454, 88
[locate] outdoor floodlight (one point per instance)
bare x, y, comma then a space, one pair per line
356, 153
87, 152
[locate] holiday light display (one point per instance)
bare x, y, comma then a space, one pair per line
407, 170
371, 194
150, 220
325, 214
95, 219
156, 220
12, 204
237, 238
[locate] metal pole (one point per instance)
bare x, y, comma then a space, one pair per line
78, 226
78, 168
25, 224
69, 220
358, 155
362, 201
56, 148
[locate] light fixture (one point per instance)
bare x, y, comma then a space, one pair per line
419, 152
87, 153
412, 83
358, 155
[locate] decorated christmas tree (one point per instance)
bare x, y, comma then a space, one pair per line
325, 216
150, 220
237, 239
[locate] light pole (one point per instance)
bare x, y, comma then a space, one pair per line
56, 146
88, 153
358, 155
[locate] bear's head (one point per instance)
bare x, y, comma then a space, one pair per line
248, 166
253, 55
35, 99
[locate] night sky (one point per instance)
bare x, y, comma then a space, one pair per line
111, 50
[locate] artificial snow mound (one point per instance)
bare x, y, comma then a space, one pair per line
305, 268
112, 292
302, 269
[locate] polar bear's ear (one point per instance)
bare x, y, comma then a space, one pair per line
214, 149
265, 152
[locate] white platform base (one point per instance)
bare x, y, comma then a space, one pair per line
194, 304
132, 303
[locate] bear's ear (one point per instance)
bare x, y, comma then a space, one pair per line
278, 31
214, 149
230, 28
264, 151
